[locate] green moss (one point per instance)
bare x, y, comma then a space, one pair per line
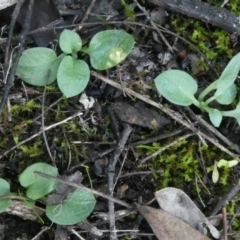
181, 163
212, 41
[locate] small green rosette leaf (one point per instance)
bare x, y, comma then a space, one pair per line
73, 76
77, 207
37, 186
215, 117
108, 48
38, 66
234, 113
228, 96
215, 173
228, 75
177, 87
70, 42
225, 163
4, 190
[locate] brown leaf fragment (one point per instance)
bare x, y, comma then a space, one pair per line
167, 227
139, 115
63, 189
177, 203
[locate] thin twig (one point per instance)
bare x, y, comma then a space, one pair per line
11, 76
39, 133
111, 172
122, 203
43, 127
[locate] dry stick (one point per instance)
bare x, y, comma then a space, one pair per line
166, 147
122, 203
10, 33
225, 223
171, 113
154, 26
10, 77
43, 127
111, 173
213, 130
39, 133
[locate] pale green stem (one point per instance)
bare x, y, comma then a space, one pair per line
206, 91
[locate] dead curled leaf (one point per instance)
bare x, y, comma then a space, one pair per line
167, 227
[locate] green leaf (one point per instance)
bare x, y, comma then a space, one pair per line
73, 76
233, 113
222, 163
38, 66
228, 75
228, 96
177, 87
215, 116
4, 187
109, 48
77, 207
70, 42
4, 190
215, 173
37, 186
225, 163
232, 163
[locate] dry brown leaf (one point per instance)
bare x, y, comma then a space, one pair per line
167, 227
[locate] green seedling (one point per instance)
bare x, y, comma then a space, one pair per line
179, 87
76, 206
219, 164
41, 66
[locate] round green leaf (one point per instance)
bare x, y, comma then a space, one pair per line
109, 48
77, 207
4, 204
215, 117
70, 42
73, 76
37, 186
4, 190
176, 86
38, 66
228, 96
4, 187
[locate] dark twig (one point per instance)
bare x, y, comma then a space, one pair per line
227, 198
10, 77
111, 172
43, 128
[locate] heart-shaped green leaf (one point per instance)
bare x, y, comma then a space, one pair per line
228, 96
215, 116
176, 86
73, 76
70, 42
77, 207
38, 66
37, 186
4, 190
109, 48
